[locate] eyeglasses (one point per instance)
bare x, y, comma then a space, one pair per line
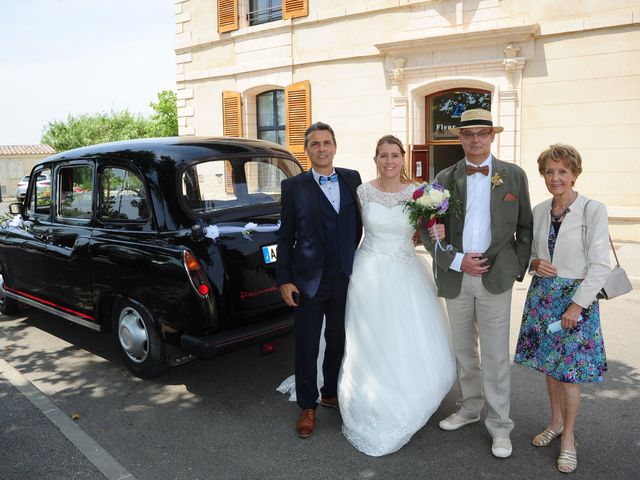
480, 134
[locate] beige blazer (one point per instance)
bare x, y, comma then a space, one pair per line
569, 253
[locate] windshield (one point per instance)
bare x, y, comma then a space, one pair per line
222, 184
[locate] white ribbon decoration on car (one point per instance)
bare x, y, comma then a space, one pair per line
214, 231
16, 222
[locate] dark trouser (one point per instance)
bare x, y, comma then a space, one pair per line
328, 302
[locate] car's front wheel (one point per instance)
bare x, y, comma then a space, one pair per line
139, 341
8, 306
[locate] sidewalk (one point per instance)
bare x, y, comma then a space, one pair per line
38, 440
629, 258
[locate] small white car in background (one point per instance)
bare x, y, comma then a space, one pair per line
44, 180
21, 191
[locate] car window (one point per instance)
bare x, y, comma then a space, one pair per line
222, 184
39, 202
122, 195
75, 189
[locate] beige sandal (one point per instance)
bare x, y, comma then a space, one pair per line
543, 439
567, 461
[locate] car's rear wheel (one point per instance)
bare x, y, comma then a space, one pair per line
138, 338
8, 306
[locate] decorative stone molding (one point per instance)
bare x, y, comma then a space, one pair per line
397, 79
399, 101
511, 63
508, 95
397, 73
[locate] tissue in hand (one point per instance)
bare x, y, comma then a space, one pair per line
557, 325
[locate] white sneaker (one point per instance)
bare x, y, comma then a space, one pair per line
501, 447
455, 421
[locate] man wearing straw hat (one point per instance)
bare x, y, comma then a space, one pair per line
488, 249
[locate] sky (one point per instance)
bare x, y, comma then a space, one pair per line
71, 57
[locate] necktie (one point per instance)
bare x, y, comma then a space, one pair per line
483, 170
331, 178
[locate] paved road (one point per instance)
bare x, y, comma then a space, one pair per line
223, 419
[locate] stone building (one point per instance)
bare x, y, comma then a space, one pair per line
16, 161
549, 71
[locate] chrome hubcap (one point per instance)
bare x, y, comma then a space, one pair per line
133, 335
3, 296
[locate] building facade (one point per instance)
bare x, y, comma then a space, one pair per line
549, 71
16, 161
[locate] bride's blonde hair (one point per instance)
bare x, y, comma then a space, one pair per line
392, 140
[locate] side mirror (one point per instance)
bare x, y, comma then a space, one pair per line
15, 208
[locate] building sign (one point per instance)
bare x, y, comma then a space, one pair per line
445, 111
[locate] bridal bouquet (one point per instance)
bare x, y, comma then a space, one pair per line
431, 201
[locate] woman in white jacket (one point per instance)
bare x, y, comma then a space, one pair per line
570, 263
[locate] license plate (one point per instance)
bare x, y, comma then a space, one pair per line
270, 253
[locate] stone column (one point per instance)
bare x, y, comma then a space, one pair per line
509, 114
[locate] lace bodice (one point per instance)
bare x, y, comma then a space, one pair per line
387, 230
368, 193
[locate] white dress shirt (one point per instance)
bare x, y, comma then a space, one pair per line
331, 190
476, 234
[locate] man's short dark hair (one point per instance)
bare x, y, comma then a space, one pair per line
319, 126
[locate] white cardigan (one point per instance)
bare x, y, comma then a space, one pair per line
569, 253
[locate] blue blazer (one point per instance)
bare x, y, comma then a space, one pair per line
301, 250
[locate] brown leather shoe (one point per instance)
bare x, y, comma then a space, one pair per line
331, 402
306, 422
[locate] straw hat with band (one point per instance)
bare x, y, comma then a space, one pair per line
476, 118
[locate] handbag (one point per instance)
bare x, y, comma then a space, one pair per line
617, 282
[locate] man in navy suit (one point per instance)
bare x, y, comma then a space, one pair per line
319, 232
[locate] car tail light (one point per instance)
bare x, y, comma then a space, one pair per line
197, 276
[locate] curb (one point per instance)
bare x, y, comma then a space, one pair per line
86, 445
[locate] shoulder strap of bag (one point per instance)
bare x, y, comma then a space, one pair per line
584, 234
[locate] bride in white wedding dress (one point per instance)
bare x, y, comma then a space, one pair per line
398, 363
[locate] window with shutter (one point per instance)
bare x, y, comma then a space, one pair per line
227, 15
298, 118
263, 11
295, 8
270, 115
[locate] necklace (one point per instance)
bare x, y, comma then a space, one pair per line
558, 217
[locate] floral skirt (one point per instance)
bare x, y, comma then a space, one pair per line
573, 355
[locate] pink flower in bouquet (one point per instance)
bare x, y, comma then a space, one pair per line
430, 201
418, 193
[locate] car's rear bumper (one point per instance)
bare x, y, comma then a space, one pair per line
208, 346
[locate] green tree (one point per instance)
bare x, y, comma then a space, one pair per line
165, 119
113, 126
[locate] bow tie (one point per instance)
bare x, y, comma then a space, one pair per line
331, 178
483, 170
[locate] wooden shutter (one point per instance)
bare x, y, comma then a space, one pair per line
295, 8
231, 127
297, 106
231, 114
227, 15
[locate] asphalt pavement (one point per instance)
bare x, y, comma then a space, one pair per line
41, 438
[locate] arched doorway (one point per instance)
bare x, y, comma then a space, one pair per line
442, 112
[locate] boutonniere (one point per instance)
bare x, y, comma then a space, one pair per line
496, 180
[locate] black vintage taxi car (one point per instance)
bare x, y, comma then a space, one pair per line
168, 243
